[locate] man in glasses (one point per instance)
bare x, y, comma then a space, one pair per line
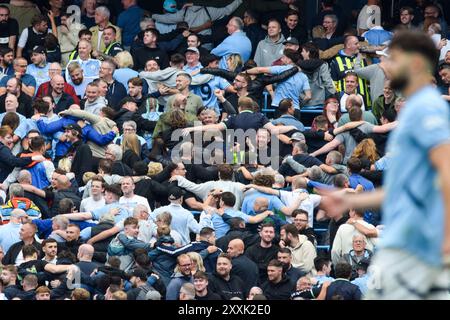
182, 276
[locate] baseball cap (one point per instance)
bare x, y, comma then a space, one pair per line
39, 49
292, 40
175, 194
298, 136
170, 6
75, 127
193, 49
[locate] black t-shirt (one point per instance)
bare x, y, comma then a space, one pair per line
36, 267
7, 29
246, 120
209, 296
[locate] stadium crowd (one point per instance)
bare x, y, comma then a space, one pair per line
181, 150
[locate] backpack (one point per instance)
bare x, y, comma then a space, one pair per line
116, 247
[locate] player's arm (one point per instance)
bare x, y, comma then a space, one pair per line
441, 161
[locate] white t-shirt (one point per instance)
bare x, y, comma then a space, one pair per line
131, 203
308, 204
89, 204
369, 16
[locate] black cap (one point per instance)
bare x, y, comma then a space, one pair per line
140, 273
175, 194
39, 49
292, 40
75, 127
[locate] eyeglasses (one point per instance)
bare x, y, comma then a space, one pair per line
185, 265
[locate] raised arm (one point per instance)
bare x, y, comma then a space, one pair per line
348, 126
279, 77
82, 114
227, 75
104, 235
385, 127
327, 148
79, 216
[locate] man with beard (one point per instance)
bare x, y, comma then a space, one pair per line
285, 257
412, 267
141, 288
303, 251
278, 286
182, 276
261, 253
77, 79
9, 29
6, 60
223, 283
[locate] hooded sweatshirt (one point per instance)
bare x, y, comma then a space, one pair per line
303, 254
173, 289
268, 51
319, 79
95, 107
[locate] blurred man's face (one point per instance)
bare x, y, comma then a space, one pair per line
185, 266
43, 296
72, 233
358, 244
445, 75
328, 24
405, 17
200, 284
8, 58
284, 258
4, 15
192, 41
50, 249
134, 91
11, 86
37, 58
151, 66
223, 267
192, 57
91, 93
350, 84
267, 234
273, 29
109, 36
77, 76
274, 274
96, 188
291, 21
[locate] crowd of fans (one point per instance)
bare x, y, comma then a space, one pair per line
108, 194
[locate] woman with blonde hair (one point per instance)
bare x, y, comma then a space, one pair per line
234, 62
131, 149
124, 70
366, 151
